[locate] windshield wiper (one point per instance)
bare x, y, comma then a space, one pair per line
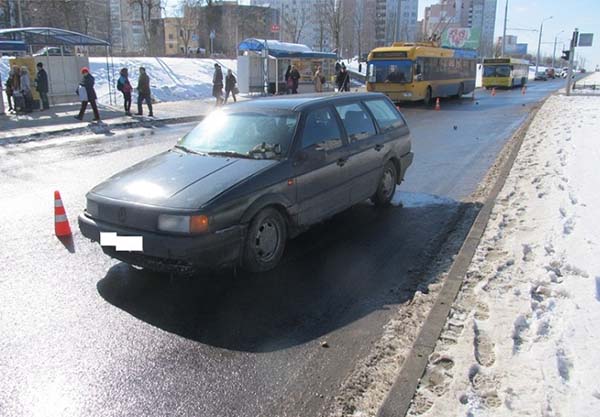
188, 150
232, 154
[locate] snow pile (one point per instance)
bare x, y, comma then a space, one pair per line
522, 336
171, 79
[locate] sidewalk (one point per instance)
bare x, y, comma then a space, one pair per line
60, 119
522, 336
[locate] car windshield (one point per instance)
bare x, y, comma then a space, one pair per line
496, 71
247, 134
391, 71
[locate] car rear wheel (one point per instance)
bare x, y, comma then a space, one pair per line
387, 186
265, 241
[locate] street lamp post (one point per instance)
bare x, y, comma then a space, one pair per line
537, 61
554, 51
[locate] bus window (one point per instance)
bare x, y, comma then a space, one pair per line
391, 71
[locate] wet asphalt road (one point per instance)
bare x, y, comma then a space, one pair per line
84, 335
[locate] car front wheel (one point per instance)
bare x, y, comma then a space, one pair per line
387, 186
265, 241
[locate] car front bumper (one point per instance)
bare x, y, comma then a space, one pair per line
172, 253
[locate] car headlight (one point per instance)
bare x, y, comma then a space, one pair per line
183, 224
92, 208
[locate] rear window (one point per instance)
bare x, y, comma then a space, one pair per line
357, 122
386, 115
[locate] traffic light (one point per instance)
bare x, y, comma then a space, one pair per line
565, 55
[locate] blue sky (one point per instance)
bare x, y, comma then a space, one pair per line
527, 14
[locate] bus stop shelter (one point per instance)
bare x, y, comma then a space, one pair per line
262, 65
60, 60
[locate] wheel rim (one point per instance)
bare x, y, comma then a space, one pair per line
266, 241
387, 183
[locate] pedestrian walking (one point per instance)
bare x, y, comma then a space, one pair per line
295, 77
87, 94
124, 86
342, 80
26, 89
288, 80
9, 89
230, 82
144, 93
41, 85
319, 80
217, 91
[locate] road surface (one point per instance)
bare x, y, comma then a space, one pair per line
85, 335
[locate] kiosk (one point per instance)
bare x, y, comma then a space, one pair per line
60, 62
262, 65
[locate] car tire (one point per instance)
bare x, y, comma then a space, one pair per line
265, 241
428, 97
387, 186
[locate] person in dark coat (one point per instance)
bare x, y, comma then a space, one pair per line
143, 88
217, 90
295, 76
230, 83
288, 80
124, 86
41, 85
343, 79
9, 89
87, 84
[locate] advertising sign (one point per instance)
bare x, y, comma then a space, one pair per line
461, 38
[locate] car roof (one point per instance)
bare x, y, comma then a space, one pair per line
299, 102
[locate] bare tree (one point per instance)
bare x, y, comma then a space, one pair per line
295, 23
147, 9
359, 24
335, 17
187, 22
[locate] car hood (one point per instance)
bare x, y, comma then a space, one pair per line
179, 180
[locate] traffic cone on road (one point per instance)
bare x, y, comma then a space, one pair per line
437, 104
524, 90
61, 223
493, 91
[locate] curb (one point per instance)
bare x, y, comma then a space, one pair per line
86, 129
402, 392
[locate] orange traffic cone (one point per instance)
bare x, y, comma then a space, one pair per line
524, 90
493, 91
61, 223
437, 104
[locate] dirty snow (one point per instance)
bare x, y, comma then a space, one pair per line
522, 336
171, 79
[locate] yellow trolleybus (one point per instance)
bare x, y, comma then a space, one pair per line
421, 71
505, 72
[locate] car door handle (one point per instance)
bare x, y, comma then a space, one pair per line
379, 147
342, 161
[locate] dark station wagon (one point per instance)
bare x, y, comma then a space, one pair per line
250, 176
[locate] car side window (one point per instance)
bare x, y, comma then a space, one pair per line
357, 121
321, 131
386, 115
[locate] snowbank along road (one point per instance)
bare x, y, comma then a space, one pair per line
522, 338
